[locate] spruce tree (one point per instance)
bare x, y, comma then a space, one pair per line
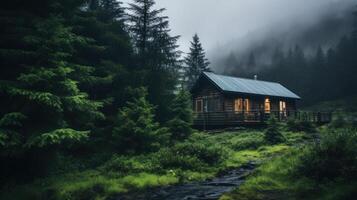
180, 125
196, 62
40, 87
157, 53
107, 50
136, 129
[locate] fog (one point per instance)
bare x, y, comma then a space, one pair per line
241, 26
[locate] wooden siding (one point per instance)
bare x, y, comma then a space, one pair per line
223, 119
218, 107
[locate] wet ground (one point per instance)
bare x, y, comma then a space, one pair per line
205, 190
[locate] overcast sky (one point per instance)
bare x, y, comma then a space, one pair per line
220, 21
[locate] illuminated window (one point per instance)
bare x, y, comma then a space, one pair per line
199, 105
238, 105
282, 106
267, 105
241, 105
246, 105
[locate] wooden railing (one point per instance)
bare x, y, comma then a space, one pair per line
237, 118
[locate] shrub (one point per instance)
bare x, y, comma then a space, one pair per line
169, 159
272, 134
249, 141
126, 165
338, 122
335, 156
191, 156
300, 125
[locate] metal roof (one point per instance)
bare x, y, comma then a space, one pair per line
250, 86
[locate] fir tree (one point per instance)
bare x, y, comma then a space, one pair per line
136, 129
150, 31
319, 59
41, 89
180, 125
196, 62
157, 53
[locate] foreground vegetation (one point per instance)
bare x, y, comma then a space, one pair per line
323, 170
201, 156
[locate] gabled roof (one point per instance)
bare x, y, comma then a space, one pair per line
249, 86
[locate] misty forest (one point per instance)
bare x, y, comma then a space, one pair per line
101, 99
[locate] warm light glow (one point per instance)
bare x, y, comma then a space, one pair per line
282, 105
238, 105
241, 105
246, 105
267, 105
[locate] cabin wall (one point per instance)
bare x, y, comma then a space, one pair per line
211, 97
213, 100
256, 103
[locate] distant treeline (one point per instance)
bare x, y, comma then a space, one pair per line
328, 74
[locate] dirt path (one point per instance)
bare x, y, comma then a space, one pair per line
206, 190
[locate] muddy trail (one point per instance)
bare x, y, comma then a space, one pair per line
210, 189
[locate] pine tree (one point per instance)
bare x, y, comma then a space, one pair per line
40, 89
319, 59
196, 62
150, 31
180, 125
354, 32
157, 53
107, 50
136, 129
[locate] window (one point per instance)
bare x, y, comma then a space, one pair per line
241, 105
267, 105
199, 105
282, 106
246, 105
238, 105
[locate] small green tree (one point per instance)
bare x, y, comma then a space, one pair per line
196, 62
136, 130
180, 125
272, 134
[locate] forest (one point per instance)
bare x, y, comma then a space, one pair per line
95, 103
325, 74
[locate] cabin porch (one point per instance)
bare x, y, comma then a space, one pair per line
206, 120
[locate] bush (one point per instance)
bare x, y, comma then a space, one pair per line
248, 141
168, 159
191, 156
125, 165
335, 156
300, 125
338, 122
272, 134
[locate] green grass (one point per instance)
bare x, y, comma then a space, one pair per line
202, 156
314, 171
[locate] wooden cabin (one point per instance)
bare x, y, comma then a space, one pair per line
229, 101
